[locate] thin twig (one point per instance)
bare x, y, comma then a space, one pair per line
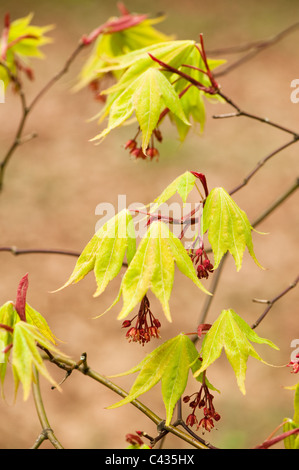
16, 251
257, 45
240, 112
139, 405
275, 299
260, 164
47, 432
27, 109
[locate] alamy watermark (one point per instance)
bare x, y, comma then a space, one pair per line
177, 217
295, 93
295, 353
2, 92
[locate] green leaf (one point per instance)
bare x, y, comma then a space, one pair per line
169, 363
233, 334
35, 318
228, 227
105, 252
137, 62
24, 339
109, 46
26, 356
152, 267
148, 95
292, 442
8, 316
183, 184
22, 46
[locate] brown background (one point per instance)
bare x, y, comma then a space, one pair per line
54, 183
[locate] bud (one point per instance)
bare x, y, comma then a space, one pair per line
131, 144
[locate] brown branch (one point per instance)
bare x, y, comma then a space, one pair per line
272, 301
240, 112
256, 45
26, 110
87, 371
260, 164
16, 251
254, 48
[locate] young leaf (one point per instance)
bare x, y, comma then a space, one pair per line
193, 99
183, 184
35, 318
169, 363
148, 95
233, 334
134, 64
105, 252
228, 227
152, 267
24, 40
109, 46
25, 355
8, 317
292, 441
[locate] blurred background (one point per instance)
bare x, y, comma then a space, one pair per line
54, 183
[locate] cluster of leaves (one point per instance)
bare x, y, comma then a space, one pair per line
172, 361
125, 49
23, 331
132, 51
150, 266
20, 41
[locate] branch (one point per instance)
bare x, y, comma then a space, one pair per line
254, 48
240, 112
257, 45
26, 110
272, 301
85, 370
16, 251
47, 432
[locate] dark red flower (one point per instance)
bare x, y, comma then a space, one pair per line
146, 326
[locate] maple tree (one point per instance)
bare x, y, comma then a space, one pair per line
151, 77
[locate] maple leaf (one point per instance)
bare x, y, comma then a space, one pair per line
231, 333
169, 363
228, 227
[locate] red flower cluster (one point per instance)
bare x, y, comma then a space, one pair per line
146, 326
203, 400
201, 260
151, 151
294, 365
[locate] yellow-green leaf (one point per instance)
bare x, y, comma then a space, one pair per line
228, 227
231, 333
152, 268
169, 363
105, 252
26, 356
